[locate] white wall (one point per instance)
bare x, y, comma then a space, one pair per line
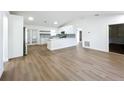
15, 36
1, 44
95, 29
53, 32
3, 39
5, 36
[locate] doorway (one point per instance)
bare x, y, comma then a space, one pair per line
80, 37
116, 38
32, 36
25, 50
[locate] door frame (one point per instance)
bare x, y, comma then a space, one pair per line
109, 33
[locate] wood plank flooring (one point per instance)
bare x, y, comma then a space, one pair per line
73, 63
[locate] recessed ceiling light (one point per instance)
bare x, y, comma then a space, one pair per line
55, 22
30, 18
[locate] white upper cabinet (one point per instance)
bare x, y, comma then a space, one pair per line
67, 29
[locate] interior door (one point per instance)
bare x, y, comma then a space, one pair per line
80, 36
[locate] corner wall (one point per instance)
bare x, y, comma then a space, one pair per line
15, 36
3, 39
5, 36
95, 30
1, 44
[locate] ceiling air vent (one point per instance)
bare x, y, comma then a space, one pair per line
87, 44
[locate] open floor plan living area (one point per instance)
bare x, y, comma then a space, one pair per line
61, 45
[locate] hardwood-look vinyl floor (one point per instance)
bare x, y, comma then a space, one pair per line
74, 63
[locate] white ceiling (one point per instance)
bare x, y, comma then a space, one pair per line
62, 17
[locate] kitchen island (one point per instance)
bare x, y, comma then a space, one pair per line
59, 43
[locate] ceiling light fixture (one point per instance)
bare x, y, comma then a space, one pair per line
96, 15
55, 22
30, 18
45, 21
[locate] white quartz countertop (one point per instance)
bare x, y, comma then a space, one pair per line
60, 38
